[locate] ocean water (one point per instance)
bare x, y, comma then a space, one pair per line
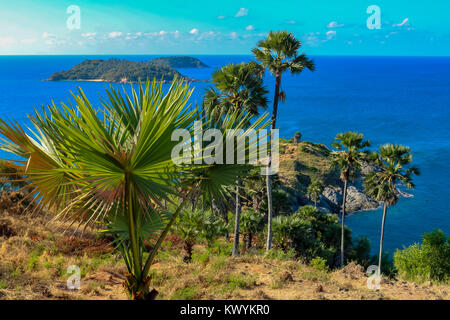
390, 99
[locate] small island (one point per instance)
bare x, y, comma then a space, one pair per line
180, 62
122, 71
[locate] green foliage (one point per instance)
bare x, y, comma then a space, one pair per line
238, 87
187, 293
394, 168
319, 264
314, 190
241, 281
279, 53
311, 233
427, 261
282, 255
360, 252
196, 225
297, 137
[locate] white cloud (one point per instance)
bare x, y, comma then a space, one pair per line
89, 34
114, 34
47, 35
28, 41
162, 32
221, 17
334, 24
176, 34
249, 28
403, 23
234, 35
194, 31
210, 35
291, 22
331, 34
7, 41
242, 12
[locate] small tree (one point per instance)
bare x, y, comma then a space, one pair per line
297, 137
314, 191
252, 222
189, 228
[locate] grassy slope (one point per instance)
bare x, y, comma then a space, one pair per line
301, 163
34, 255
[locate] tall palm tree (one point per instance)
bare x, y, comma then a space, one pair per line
240, 87
279, 53
349, 157
115, 165
393, 169
314, 191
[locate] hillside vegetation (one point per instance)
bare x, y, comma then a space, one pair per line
35, 255
116, 70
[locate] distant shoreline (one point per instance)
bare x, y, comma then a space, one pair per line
119, 82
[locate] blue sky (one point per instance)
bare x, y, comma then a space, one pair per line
223, 27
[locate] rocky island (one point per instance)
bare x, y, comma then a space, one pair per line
117, 70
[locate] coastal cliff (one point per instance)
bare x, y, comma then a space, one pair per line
303, 162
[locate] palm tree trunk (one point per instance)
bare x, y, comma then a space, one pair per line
236, 221
275, 100
269, 213
343, 222
268, 185
381, 238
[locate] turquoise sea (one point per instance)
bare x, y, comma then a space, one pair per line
402, 100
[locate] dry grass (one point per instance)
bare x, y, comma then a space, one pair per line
34, 257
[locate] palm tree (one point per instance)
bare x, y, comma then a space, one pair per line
349, 157
115, 165
393, 169
240, 87
314, 191
279, 53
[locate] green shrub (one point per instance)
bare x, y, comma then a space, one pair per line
187, 293
428, 261
241, 281
319, 264
281, 254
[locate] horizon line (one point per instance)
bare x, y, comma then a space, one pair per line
207, 54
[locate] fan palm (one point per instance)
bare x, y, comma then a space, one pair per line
240, 87
279, 53
393, 163
314, 191
115, 165
349, 157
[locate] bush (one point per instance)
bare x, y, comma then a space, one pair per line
428, 261
319, 264
251, 222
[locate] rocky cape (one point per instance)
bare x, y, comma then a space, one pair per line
301, 163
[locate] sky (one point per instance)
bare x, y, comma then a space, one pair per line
325, 27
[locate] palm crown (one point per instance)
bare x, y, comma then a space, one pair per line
349, 155
240, 88
279, 52
392, 162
